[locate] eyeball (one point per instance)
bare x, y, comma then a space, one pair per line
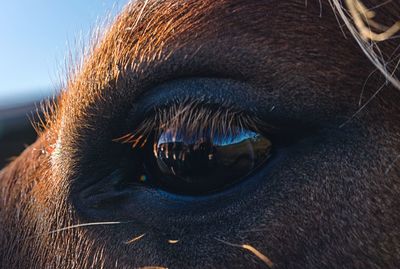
200, 164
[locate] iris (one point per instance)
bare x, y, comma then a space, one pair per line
207, 162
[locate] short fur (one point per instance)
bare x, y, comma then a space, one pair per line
333, 202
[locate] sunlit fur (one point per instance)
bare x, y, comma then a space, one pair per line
140, 49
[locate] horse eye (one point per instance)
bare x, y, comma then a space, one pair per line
204, 163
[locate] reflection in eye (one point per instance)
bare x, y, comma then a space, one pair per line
195, 149
205, 163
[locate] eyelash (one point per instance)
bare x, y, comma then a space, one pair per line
194, 117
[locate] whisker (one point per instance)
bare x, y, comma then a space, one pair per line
86, 225
250, 248
135, 239
80, 226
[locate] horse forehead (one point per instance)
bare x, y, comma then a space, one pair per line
148, 32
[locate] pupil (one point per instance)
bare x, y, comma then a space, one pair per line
202, 164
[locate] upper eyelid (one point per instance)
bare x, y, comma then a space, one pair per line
207, 90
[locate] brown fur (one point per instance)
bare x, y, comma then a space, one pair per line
276, 46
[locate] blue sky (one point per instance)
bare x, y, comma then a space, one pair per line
34, 38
